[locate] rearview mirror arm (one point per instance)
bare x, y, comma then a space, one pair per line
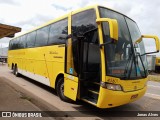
106, 43
149, 53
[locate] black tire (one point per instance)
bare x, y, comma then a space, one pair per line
12, 69
15, 71
60, 90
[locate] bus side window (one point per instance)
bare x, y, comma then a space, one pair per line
23, 41
58, 28
31, 37
11, 45
42, 36
15, 44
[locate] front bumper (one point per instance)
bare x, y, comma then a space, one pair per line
110, 98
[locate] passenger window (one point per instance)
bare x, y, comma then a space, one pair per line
15, 44
56, 30
83, 22
11, 45
42, 36
21, 42
31, 37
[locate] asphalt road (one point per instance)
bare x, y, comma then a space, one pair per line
153, 88
47, 96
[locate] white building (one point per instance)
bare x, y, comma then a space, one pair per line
3, 54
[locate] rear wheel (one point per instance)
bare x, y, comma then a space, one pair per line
15, 71
60, 90
12, 68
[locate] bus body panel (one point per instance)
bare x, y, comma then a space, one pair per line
128, 85
110, 98
70, 86
44, 64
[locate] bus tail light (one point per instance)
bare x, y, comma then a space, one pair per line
111, 86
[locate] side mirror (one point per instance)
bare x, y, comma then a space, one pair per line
150, 36
113, 27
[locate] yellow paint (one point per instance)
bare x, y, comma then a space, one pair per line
103, 71
44, 64
157, 61
113, 24
109, 98
128, 85
70, 86
155, 38
150, 36
43, 61
117, 98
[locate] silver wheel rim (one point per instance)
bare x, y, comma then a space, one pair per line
62, 89
16, 71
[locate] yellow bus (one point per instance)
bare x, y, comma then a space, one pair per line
94, 54
157, 67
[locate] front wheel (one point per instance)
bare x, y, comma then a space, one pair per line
60, 90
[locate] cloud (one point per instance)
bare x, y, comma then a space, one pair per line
10, 2
60, 7
35, 21
32, 13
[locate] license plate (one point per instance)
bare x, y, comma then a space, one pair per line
134, 96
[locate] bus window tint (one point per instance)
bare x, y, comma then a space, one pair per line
11, 45
31, 37
15, 44
56, 30
83, 22
22, 42
42, 36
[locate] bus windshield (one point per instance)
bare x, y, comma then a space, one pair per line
123, 60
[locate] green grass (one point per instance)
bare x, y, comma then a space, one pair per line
154, 78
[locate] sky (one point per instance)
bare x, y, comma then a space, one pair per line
29, 14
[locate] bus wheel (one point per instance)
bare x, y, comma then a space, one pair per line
60, 90
15, 71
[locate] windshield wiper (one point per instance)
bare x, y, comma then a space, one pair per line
127, 66
130, 62
138, 54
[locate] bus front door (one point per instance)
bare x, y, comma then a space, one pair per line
71, 70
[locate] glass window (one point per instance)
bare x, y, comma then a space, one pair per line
15, 44
83, 22
31, 37
56, 31
23, 41
11, 45
121, 59
18, 43
42, 36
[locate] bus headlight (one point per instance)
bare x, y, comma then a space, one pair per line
111, 86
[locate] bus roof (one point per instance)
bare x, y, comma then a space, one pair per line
64, 16
8, 31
